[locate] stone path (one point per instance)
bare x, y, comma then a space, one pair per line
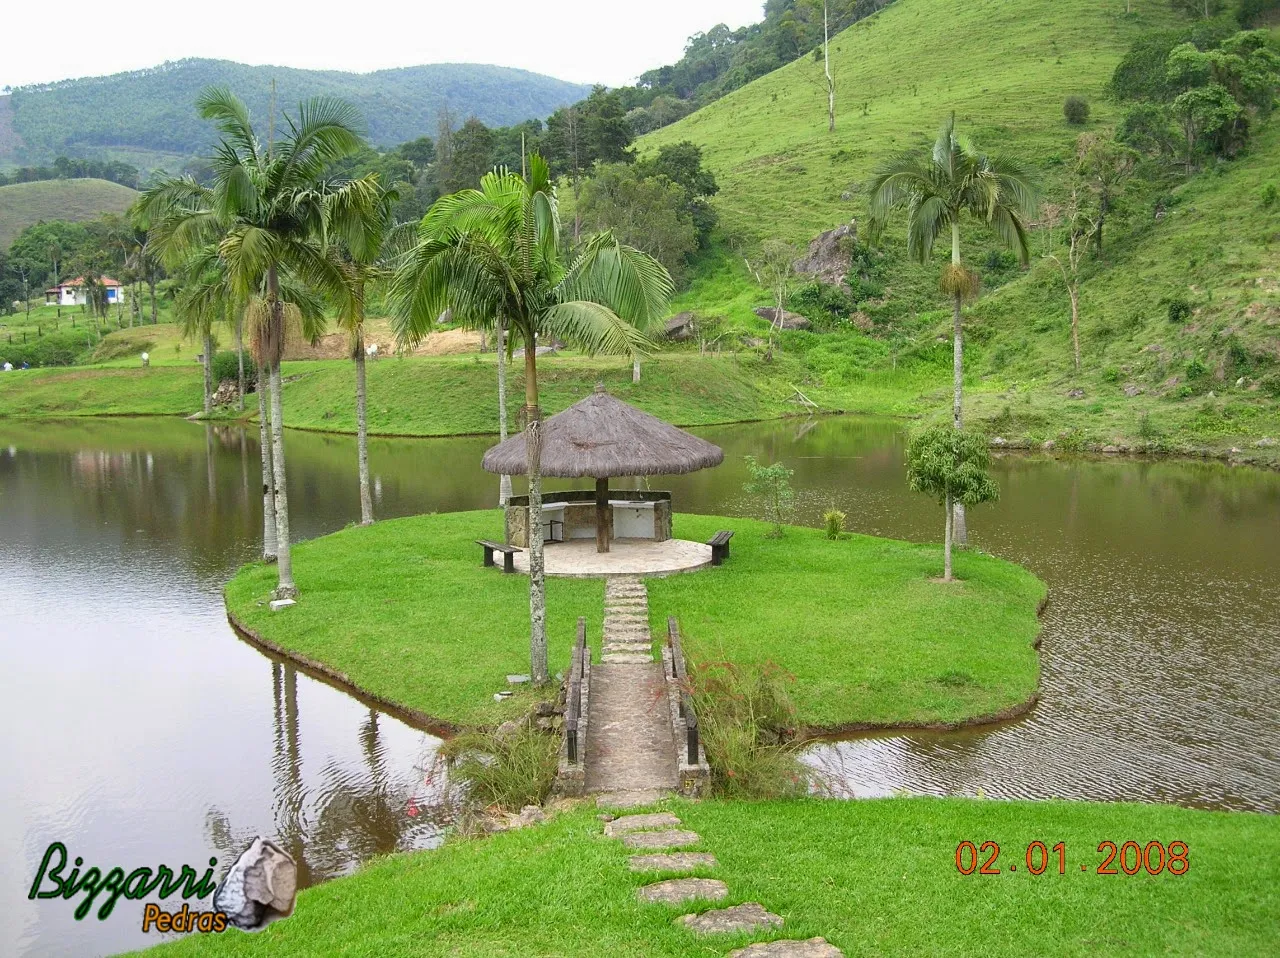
658, 830
630, 747
627, 638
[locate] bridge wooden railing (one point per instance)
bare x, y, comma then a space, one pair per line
573, 704
681, 678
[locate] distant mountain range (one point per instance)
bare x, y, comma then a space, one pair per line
148, 118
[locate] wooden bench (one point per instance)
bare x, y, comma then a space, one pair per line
508, 554
720, 546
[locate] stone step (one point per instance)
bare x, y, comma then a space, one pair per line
676, 891
672, 862
668, 838
747, 917
636, 823
638, 645
626, 658
789, 948
633, 798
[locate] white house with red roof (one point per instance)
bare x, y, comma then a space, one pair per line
71, 293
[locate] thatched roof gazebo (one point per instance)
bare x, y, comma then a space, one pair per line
602, 437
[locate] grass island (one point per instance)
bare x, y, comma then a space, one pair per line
405, 612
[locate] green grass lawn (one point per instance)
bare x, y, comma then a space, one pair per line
872, 877
868, 637
404, 609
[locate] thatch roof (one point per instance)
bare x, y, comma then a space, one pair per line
603, 437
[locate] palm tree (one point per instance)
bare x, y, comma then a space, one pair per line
271, 210
938, 191
362, 260
494, 254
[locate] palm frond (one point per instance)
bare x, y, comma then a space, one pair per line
231, 118
594, 328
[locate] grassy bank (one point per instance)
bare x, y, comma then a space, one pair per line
858, 623
406, 612
872, 877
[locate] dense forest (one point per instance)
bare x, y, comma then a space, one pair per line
150, 110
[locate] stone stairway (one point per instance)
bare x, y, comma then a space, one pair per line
627, 640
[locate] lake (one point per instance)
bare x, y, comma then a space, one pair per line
140, 730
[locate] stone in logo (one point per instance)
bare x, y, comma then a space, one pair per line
259, 888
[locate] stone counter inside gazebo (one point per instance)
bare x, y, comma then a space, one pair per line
574, 514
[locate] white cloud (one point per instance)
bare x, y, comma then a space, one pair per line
586, 41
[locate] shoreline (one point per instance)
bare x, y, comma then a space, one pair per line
1091, 451
341, 681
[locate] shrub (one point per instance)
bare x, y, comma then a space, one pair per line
1196, 369
1146, 428
1075, 109
773, 485
748, 721
1268, 195
1271, 384
1179, 310
834, 520
226, 367
509, 770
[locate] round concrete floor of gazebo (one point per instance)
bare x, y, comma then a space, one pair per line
579, 558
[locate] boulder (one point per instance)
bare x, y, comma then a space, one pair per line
790, 320
1075, 394
826, 261
680, 326
1133, 389
260, 887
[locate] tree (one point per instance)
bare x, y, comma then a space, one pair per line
773, 485
776, 271
953, 182
606, 131
361, 261
826, 62
681, 163
951, 465
270, 210
1103, 167
642, 211
1080, 226
472, 157
493, 255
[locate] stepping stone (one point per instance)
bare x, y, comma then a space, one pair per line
676, 891
635, 823
719, 921
672, 862
628, 658
672, 838
636, 798
813, 948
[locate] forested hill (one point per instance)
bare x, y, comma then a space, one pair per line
148, 115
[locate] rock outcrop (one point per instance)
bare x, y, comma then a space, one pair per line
680, 326
790, 320
826, 261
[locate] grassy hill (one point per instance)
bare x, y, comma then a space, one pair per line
146, 116
22, 204
1005, 68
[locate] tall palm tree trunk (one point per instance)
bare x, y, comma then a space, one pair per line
362, 431
957, 374
537, 577
635, 370
151, 285
240, 360
946, 541
285, 587
504, 482
268, 473
208, 369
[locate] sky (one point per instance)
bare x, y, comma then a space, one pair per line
586, 41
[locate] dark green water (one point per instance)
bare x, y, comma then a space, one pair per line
139, 730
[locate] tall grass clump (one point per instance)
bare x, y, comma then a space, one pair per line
748, 725
506, 769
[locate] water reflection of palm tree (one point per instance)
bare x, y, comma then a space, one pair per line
287, 770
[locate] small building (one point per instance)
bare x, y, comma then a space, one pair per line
71, 293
